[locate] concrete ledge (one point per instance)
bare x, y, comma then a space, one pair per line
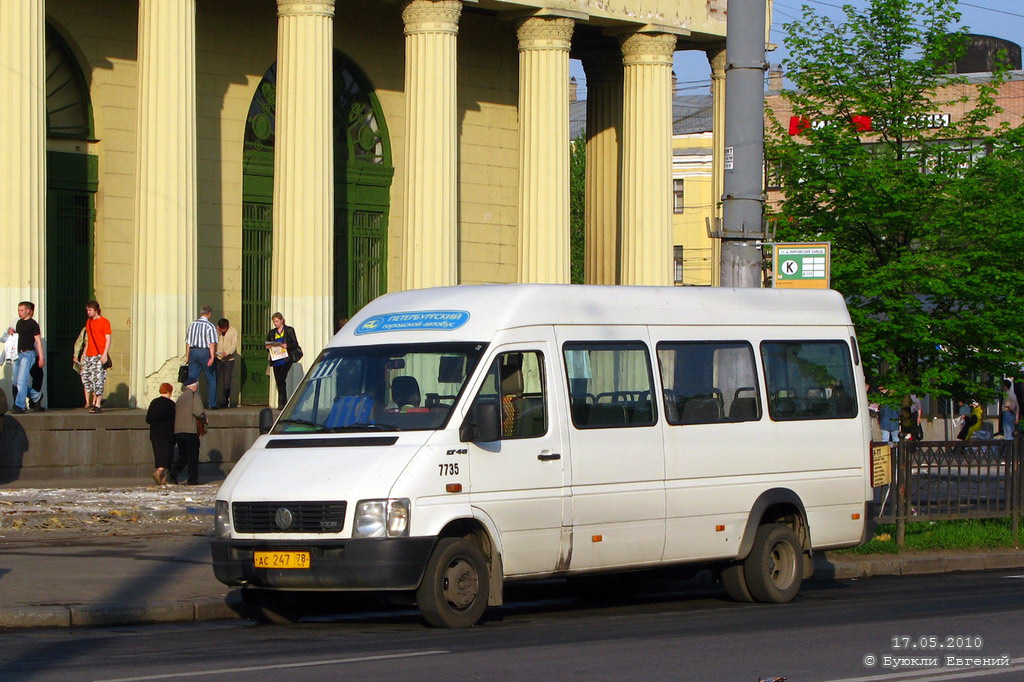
65, 445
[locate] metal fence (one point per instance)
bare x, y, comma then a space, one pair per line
939, 480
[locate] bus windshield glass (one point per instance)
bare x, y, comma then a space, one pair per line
398, 387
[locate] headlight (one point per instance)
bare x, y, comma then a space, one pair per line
381, 519
222, 520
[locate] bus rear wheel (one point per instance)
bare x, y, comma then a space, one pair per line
455, 585
772, 570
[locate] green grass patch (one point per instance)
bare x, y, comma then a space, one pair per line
928, 535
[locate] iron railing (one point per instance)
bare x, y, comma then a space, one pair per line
941, 480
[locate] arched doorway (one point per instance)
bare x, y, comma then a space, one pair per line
362, 182
71, 183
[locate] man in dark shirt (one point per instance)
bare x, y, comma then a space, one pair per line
30, 352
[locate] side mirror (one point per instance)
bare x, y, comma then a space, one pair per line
483, 423
266, 420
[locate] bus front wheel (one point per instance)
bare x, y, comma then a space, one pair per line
455, 585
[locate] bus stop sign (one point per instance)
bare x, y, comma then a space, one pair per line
801, 266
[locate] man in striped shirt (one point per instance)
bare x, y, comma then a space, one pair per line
201, 349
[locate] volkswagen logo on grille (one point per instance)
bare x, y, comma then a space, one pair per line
283, 518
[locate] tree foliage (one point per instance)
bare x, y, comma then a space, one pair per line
925, 227
577, 228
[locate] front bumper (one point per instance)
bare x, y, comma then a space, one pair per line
363, 564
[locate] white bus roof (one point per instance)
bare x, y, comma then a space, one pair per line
475, 312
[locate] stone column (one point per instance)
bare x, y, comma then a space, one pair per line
716, 57
604, 132
164, 290
430, 202
544, 149
23, 140
302, 270
647, 158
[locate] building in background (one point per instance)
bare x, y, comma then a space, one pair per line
305, 156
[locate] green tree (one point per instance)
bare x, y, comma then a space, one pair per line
577, 229
925, 227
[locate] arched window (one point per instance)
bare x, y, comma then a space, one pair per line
68, 113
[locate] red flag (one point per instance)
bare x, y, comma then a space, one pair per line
861, 123
798, 124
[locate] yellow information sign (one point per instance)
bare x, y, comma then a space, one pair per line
881, 465
802, 266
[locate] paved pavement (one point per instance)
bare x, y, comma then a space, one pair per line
144, 557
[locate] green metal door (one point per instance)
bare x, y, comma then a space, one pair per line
362, 173
257, 235
70, 215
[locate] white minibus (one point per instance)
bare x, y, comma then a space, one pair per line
448, 440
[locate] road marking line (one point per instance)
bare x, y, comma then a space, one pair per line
938, 673
279, 666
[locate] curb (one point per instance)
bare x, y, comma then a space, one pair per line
826, 567
62, 616
831, 567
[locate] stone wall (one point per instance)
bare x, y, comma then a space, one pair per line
65, 446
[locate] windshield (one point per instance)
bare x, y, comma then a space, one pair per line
400, 387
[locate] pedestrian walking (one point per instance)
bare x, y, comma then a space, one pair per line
96, 360
1011, 410
284, 350
30, 352
201, 351
189, 418
227, 354
889, 422
160, 417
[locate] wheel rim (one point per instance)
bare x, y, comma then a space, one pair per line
460, 584
782, 565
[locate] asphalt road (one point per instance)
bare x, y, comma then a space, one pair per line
694, 634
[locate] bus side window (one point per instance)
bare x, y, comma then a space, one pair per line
707, 382
808, 380
609, 384
516, 380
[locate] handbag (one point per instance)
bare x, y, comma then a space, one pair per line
201, 426
108, 364
183, 374
294, 353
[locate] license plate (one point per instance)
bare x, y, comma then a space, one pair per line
280, 559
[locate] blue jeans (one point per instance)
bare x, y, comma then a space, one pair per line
1008, 420
22, 367
197, 359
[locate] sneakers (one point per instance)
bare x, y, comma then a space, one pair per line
18, 410
36, 406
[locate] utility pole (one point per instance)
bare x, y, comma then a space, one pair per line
743, 187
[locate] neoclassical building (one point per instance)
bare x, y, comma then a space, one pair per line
305, 156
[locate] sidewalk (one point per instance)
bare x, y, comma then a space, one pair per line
121, 555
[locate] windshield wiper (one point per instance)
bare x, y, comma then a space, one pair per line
303, 422
363, 426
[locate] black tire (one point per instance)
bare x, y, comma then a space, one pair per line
265, 606
773, 567
455, 585
735, 582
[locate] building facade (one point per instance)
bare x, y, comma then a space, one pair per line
305, 156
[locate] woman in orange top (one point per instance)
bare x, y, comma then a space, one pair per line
96, 360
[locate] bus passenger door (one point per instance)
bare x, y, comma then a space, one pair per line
519, 480
618, 466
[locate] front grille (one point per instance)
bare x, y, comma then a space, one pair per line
305, 517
